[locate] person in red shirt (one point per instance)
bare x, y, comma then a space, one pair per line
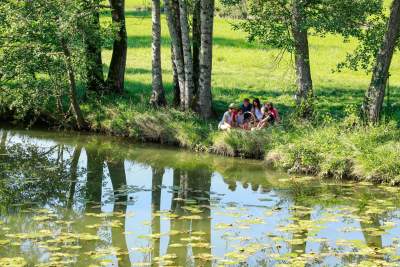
271, 116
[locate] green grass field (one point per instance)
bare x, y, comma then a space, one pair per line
250, 70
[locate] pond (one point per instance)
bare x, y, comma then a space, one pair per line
69, 199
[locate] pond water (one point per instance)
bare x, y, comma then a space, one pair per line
81, 200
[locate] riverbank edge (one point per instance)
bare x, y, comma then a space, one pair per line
342, 151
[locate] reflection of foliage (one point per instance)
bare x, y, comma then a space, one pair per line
29, 173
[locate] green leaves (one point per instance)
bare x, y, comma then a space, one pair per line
32, 65
270, 22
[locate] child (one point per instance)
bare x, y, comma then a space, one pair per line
240, 119
271, 116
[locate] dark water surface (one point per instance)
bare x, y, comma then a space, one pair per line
79, 200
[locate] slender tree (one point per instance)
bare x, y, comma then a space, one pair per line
80, 121
375, 94
158, 95
206, 26
173, 20
116, 74
187, 56
175, 81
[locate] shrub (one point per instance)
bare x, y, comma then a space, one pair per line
241, 143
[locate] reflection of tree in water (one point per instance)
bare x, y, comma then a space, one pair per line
74, 175
33, 174
48, 177
190, 185
301, 215
373, 240
96, 160
156, 183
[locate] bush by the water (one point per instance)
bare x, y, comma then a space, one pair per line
362, 153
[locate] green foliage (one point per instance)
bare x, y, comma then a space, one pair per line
270, 21
33, 75
369, 41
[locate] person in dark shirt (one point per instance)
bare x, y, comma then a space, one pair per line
246, 107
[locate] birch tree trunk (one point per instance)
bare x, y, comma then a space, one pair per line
373, 100
80, 121
158, 95
175, 81
172, 11
304, 95
187, 55
116, 74
207, 23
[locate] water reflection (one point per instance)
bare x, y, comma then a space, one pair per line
67, 200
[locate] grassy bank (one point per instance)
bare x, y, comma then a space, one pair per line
334, 146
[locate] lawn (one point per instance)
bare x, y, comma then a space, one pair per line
250, 70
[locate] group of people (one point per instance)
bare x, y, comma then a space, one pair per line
249, 116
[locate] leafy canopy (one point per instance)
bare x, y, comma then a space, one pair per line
270, 22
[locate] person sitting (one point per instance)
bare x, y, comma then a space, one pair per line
228, 119
256, 110
246, 107
271, 116
241, 122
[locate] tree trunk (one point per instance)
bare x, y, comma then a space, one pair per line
116, 74
175, 81
172, 11
187, 56
196, 36
95, 77
80, 121
304, 95
158, 95
376, 92
207, 23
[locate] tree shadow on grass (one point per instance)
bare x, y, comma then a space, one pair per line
329, 100
144, 41
335, 101
134, 71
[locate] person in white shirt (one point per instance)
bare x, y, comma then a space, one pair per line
227, 121
256, 110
